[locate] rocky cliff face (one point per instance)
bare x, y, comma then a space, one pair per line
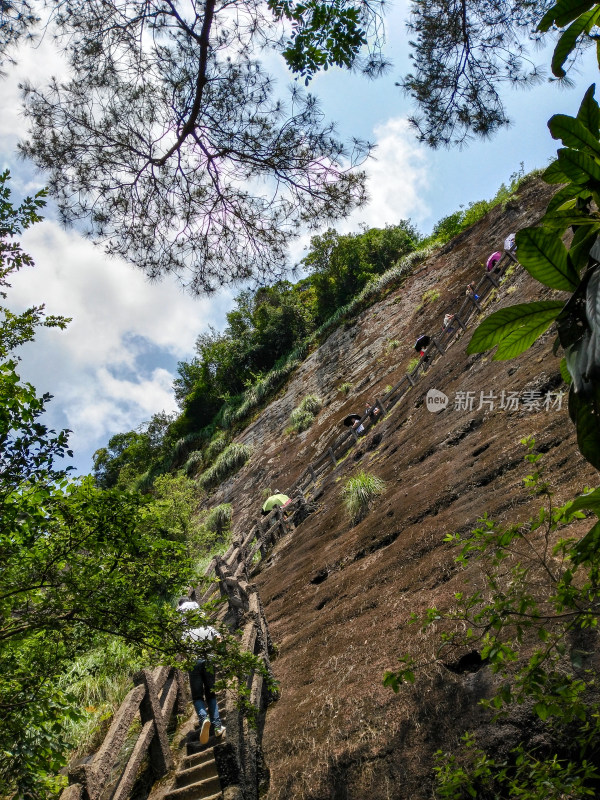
338, 596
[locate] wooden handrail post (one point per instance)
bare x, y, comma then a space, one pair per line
437, 345
332, 456
410, 379
161, 759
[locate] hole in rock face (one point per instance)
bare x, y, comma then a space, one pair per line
470, 662
375, 441
323, 602
321, 576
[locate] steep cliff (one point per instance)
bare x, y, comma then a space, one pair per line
338, 596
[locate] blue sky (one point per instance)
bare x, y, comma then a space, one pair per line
114, 366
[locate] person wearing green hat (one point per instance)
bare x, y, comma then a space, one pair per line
277, 499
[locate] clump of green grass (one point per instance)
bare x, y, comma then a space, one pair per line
302, 417
412, 364
392, 345
430, 296
227, 464
215, 448
360, 492
218, 519
344, 388
388, 388
193, 464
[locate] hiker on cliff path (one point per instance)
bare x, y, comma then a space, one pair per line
446, 324
491, 263
202, 677
277, 499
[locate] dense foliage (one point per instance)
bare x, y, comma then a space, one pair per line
80, 566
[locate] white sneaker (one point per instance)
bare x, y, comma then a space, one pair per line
204, 731
220, 731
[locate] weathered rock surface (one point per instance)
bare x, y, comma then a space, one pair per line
338, 597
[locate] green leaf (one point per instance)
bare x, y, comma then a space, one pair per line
588, 547
581, 244
554, 174
587, 502
584, 410
566, 194
564, 372
572, 132
544, 256
564, 12
559, 221
519, 324
589, 112
578, 166
568, 40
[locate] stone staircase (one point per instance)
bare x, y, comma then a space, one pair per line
197, 776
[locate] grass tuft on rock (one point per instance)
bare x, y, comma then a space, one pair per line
227, 464
360, 492
302, 417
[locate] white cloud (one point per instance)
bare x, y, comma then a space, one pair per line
114, 365
396, 178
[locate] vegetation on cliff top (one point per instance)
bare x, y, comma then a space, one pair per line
236, 372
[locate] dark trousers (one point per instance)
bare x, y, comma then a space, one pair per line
202, 683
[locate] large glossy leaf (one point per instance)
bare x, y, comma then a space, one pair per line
578, 166
589, 112
564, 12
566, 194
587, 502
573, 133
560, 220
584, 410
568, 40
554, 174
521, 320
544, 256
588, 546
581, 245
564, 372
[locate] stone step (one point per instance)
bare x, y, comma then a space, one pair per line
201, 790
193, 744
208, 754
198, 772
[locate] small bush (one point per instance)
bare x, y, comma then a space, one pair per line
412, 364
359, 493
302, 417
228, 463
344, 388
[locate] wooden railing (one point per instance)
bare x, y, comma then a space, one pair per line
160, 693
156, 697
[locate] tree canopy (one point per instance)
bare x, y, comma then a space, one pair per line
174, 145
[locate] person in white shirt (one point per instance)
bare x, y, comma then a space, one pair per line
202, 677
